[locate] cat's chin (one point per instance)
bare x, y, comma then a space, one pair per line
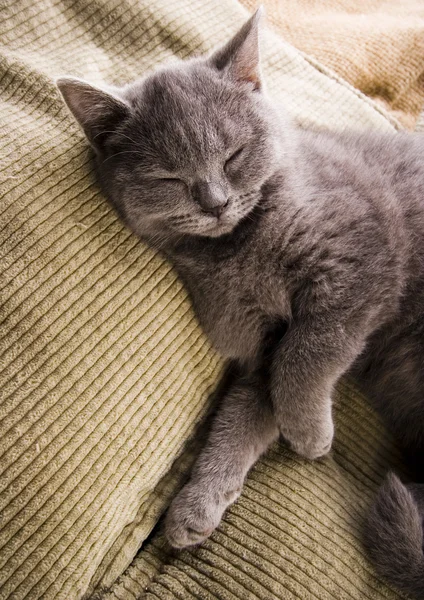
219, 229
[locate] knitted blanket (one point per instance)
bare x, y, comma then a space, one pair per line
376, 45
104, 372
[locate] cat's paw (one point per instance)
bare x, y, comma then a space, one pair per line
310, 442
194, 514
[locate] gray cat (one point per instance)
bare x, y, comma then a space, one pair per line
303, 253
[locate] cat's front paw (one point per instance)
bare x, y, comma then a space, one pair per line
194, 514
312, 440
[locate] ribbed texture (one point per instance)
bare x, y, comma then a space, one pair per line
376, 45
103, 369
295, 533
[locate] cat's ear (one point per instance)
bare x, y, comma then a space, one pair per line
239, 59
98, 111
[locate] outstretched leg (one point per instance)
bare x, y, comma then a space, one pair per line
242, 430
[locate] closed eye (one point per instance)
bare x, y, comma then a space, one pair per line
170, 179
232, 158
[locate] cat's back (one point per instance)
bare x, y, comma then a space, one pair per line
396, 163
375, 177
392, 162
375, 183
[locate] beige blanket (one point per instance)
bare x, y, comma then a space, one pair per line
376, 45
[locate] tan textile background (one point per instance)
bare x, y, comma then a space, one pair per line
376, 45
295, 533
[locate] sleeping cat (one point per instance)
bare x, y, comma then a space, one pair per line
303, 253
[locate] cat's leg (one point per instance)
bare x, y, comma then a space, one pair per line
242, 430
391, 373
305, 367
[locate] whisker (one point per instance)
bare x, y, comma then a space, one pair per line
116, 133
123, 152
179, 219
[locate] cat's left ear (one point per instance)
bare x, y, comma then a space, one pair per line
239, 59
98, 111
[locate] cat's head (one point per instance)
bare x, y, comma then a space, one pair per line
187, 149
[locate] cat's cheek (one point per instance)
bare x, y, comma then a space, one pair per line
250, 176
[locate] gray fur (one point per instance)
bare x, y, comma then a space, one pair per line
395, 525
303, 253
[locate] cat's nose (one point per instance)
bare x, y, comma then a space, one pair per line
216, 211
211, 197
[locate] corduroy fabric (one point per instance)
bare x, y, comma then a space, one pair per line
103, 370
295, 533
376, 45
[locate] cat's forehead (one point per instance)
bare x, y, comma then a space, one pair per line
188, 92
189, 114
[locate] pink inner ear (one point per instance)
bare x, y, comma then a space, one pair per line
251, 75
240, 56
245, 67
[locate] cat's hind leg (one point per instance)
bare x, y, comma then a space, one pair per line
392, 374
242, 430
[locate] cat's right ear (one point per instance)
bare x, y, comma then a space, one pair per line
239, 59
97, 111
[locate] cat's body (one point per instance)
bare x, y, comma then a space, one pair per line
361, 247
312, 240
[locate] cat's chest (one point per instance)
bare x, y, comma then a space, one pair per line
237, 306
